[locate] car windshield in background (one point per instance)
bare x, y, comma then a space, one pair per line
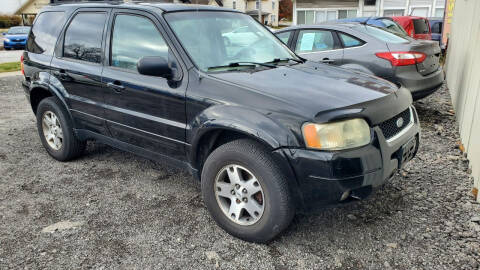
421, 26
226, 40
380, 34
18, 30
394, 28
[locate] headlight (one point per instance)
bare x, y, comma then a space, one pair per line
337, 135
7, 40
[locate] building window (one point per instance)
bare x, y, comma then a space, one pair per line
393, 12
272, 19
439, 12
370, 2
305, 16
234, 5
419, 11
344, 14
257, 4
273, 5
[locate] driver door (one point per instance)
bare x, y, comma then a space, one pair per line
144, 111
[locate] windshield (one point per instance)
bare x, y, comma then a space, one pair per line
381, 34
18, 30
216, 39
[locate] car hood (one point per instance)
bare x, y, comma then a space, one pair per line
313, 87
16, 36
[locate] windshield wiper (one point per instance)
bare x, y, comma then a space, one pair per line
243, 64
276, 60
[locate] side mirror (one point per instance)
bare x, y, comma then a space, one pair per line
154, 66
4, 33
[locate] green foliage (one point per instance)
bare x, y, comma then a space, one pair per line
7, 67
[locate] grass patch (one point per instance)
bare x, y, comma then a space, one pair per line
8, 67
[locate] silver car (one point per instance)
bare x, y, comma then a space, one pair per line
402, 60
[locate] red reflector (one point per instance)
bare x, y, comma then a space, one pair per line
21, 64
403, 58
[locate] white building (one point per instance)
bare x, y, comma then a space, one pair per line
316, 11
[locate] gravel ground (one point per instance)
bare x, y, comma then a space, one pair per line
111, 209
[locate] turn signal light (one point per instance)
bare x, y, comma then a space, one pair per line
403, 58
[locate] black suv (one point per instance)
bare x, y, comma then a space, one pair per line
213, 91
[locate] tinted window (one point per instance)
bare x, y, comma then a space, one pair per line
83, 38
45, 31
380, 34
284, 36
437, 28
421, 26
133, 38
349, 41
314, 40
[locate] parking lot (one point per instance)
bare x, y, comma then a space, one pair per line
117, 210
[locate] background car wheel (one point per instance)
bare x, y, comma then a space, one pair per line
245, 191
56, 131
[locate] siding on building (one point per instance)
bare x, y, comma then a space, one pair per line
404, 7
463, 80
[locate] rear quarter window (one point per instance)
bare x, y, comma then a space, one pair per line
45, 31
421, 26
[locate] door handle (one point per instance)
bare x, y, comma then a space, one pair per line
327, 61
116, 85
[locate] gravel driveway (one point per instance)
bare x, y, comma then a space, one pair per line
111, 209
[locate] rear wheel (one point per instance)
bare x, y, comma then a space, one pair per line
246, 192
56, 131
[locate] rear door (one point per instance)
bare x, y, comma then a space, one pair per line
77, 67
318, 45
144, 111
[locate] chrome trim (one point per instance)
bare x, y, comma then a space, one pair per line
405, 130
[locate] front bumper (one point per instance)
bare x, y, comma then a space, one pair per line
14, 45
324, 177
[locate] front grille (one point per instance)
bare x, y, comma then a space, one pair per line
390, 128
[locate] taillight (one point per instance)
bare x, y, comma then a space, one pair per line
21, 64
403, 58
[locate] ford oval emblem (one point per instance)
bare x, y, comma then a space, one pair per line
399, 122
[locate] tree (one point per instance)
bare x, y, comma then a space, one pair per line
285, 10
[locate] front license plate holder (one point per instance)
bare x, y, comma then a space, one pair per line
407, 152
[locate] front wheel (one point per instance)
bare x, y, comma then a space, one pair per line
246, 192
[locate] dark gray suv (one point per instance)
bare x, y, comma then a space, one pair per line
402, 60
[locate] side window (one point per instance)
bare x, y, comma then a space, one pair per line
349, 41
83, 38
45, 31
314, 40
133, 38
284, 36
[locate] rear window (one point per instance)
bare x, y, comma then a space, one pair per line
393, 27
421, 26
437, 28
380, 34
83, 38
45, 31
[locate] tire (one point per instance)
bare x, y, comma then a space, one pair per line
276, 204
56, 118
